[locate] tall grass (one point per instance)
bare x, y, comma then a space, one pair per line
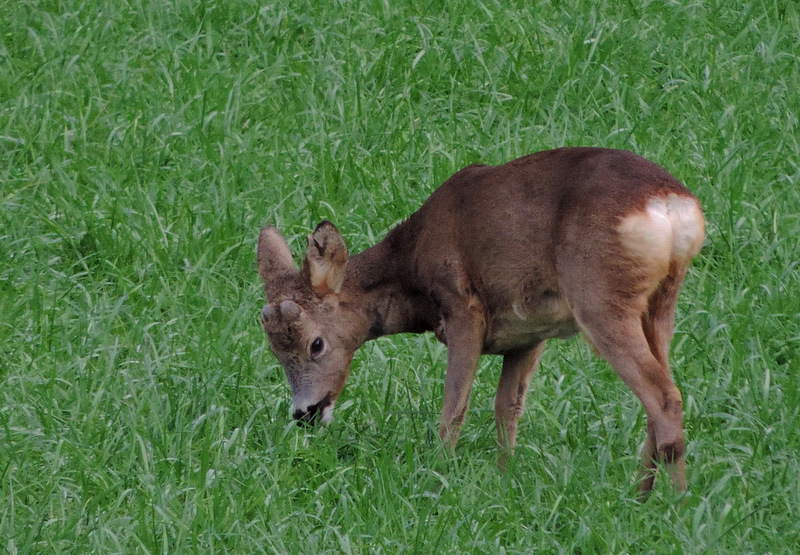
142, 146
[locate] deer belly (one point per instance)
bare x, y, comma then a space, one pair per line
527, 325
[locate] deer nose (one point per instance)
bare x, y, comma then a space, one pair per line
311, 415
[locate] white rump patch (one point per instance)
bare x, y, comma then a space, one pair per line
688, 227
669, 229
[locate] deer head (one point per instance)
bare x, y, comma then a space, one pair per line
312, 328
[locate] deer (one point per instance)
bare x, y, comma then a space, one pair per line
498, 260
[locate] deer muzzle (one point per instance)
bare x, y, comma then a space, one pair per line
318, 412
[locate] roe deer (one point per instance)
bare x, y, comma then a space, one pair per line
498, 260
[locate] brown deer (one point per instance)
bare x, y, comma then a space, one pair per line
498, 260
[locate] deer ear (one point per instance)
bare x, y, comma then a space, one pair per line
326, 259
274, 258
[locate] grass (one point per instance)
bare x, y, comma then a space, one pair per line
142, 146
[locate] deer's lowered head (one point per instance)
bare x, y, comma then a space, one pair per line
317, 316
312, 327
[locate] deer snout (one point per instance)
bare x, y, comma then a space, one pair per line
318, 412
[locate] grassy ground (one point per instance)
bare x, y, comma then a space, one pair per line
142, 146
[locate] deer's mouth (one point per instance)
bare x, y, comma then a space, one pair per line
318, 412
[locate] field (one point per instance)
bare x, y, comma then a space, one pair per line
144, 143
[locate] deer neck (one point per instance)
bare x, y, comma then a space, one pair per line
380, 283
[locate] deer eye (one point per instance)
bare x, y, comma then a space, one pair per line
316, 347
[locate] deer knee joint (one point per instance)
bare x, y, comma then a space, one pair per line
672, 404
672, 451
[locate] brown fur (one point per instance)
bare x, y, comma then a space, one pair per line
498, 260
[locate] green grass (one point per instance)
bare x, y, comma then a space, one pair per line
142, 146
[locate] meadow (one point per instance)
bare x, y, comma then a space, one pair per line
144, 143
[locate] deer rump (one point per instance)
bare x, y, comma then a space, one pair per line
498, 260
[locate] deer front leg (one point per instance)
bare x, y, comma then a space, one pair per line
518, 367
464, 335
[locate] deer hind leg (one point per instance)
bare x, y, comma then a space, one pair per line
624, 345
639, 358
629, 322
518, 367
658, 325
623, 289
